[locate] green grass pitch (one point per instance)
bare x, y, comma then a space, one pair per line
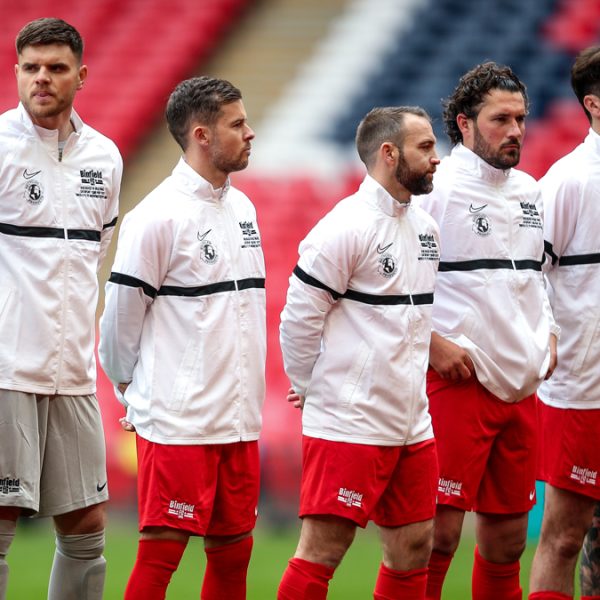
30, 559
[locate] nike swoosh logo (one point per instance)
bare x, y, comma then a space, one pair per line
472, 209
99, 487
381, 250
201, 237
531, 495
29, 175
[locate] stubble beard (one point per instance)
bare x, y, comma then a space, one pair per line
498, 159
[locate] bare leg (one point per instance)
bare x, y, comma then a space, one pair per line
566, 520
407, 547
590, 558
325, 539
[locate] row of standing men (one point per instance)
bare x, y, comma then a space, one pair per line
431, 300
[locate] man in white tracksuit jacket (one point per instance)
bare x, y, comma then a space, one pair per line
355, 337
569, 408
59, 193
492, 322
183, 336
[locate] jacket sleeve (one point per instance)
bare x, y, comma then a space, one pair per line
561, 198
556, 237
140, 267
111, 210
319, 279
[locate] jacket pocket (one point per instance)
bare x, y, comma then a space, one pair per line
189, 373
362, 357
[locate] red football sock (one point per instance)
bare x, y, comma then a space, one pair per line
590, 597
156, 562
439, 563
226, 569
549, 596
408, 585
304, 580
493, 581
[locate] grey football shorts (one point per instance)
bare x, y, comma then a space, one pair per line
52, 453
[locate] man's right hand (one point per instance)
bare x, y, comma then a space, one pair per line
449, 360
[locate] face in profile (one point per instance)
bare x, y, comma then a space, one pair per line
497, 133
418, 158
231, 139
48, 77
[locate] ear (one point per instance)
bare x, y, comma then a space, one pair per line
83, 72
388, 152
592, 105
201, 135
464, 123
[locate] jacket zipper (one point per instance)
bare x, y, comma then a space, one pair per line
65, 264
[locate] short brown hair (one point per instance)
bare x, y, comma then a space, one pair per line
469, 94
585, 75
46, 31
383, 124
198, 98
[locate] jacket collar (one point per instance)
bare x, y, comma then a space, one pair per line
593, 141
49, 137
382, 199
196, 185
475, 164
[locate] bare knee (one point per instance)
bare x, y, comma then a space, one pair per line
325, 539
407, 547
216, 541
501, 538
447, 529
90, 519
566, 544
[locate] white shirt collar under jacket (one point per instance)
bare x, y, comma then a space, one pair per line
195, 184
478, 167
382, 199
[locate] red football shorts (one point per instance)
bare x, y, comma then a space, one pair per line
203, 489
569, 453
390, 485
487, 448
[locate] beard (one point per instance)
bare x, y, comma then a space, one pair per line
417, 183
228, 164
497, 158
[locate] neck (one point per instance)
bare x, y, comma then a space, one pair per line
63, 125
394, 188
215, 177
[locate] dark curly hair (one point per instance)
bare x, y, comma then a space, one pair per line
198, 98
585, 75
469, 94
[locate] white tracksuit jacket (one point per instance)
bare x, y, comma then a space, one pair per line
356, 327
184, 319
490, 297
571, 197
57, 216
